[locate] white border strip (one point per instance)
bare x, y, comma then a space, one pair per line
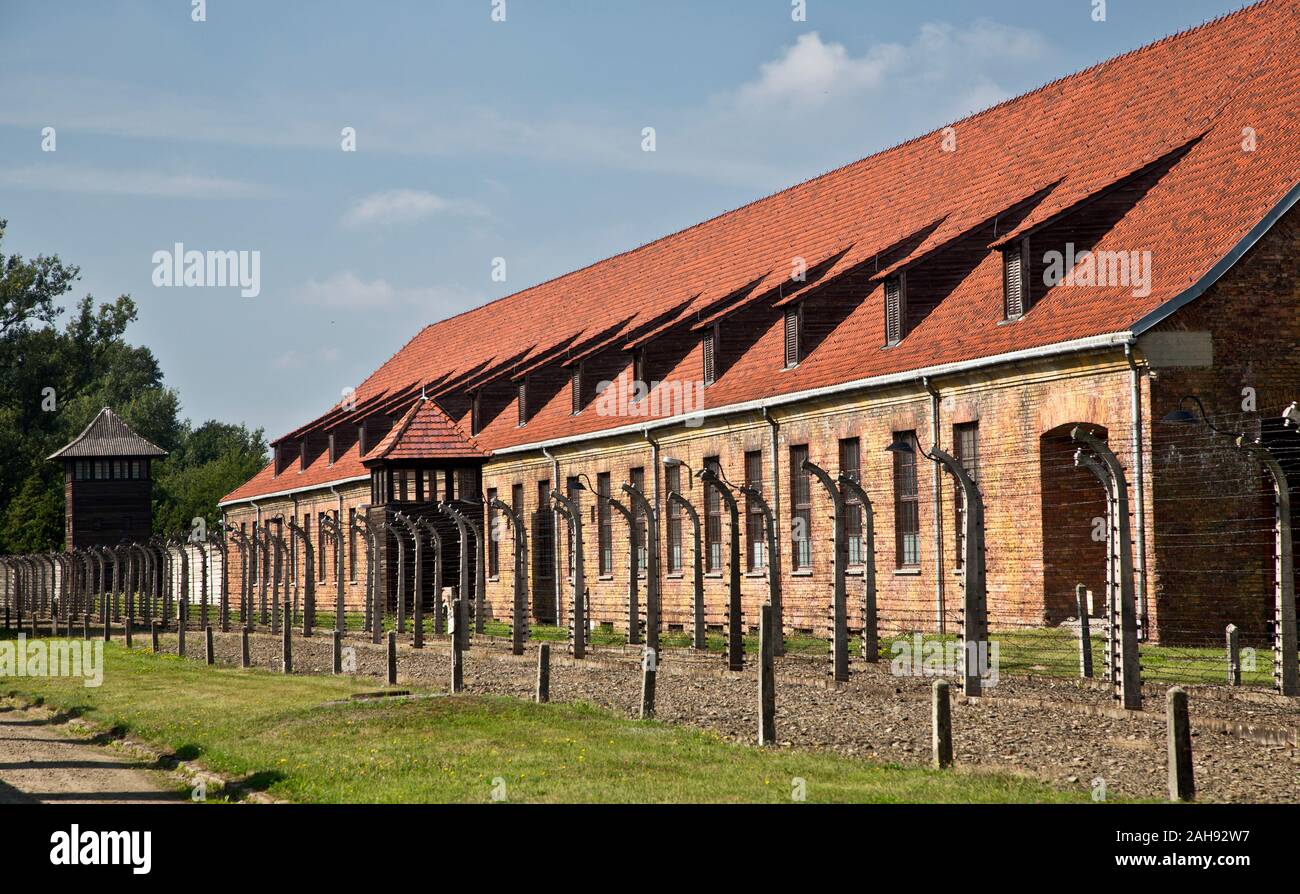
1095, 342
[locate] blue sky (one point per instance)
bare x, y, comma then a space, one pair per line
475, 140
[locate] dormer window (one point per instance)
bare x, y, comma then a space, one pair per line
476, 413
710, 349
640, 386
895, 308
1015, 279
793, 331
523, 402
575, 386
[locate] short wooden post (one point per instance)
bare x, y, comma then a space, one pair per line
209, 653
544, 673
458, 650
1085, 631
649, 667
1234, 656
941, 725
286, 629
245, 653
153, 636
338, 651
1182, 785
392, 658
766, 678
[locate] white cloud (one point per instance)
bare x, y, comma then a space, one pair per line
815, 72
54, 177
347, 291
400, 206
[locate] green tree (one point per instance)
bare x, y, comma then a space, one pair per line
54, 381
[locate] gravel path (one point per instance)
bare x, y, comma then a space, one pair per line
1056, 730
43, 762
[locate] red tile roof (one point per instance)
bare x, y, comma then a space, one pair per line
1072, 138
426, 432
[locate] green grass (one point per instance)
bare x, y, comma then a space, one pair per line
293, 737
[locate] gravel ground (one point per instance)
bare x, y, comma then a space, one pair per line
1057, 730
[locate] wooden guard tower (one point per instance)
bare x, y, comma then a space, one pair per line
107, 484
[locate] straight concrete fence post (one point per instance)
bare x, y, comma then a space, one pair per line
766, 677
1182, 784
286, 632
209, 653
85, 626
649, 667
1085, 632
1234, 656
126, 628
458, 649
941, 725
392, 658
153, 636
544, 673
338, 651
245, 654
108, 633
54, 629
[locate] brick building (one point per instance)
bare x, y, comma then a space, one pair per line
1085, 254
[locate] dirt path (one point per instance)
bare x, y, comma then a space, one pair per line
42, 761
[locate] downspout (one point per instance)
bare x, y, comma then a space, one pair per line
558, 574
1139, 491
939, 601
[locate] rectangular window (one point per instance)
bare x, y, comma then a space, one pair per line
1013, 280
467, 484
604, 525
895, 308
672, 483
710, 348
352, 545
850, 464
792, 327
493, 546
639, 521
755, 540
523, 402
712, 520
907, 519
517, 500
965, 444
800, 510
544, 537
